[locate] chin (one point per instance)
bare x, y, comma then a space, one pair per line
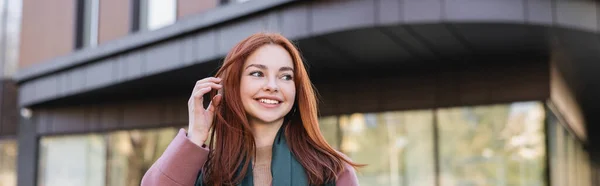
269, 119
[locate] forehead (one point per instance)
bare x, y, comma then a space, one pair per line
272, 56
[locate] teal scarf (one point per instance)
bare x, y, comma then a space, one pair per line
285, 169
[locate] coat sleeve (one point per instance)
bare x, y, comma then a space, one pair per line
348, 176
178, 165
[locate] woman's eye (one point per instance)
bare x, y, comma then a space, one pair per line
287, 77
256, 74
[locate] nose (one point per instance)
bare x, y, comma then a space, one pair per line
271, 85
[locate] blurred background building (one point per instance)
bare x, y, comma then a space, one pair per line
426, 92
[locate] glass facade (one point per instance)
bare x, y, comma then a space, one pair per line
569, 161
490, 145
495, 145
76, 160
117, 158
131, 153
8, 162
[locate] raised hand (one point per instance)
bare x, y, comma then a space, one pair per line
200, 118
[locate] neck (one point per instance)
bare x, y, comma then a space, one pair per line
265, 133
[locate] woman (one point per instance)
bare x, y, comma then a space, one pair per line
263, 123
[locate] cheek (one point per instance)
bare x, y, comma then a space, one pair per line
290, 93
247, 87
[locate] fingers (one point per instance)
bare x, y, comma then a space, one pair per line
210, 81
216, 101
198, 97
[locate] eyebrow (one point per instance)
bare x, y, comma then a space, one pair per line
263, 67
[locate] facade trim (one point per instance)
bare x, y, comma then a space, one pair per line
206, 37
89, 55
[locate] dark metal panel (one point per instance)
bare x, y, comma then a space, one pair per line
111, 116
331, 16
295, 21
353, 98
173, 108
9, 113
163, 57
46, 88
93, 116
231, 34
62, 83
28, 152
26, 93
131, 65
76, 78
66, 120
43, 122
206, 45
439, 39
410, 41
273, 22
389, 12
475, 84
408, 91
142, 114
369, 46
422, 11
447, 93
503, 39
577, 14
188, 50
328, 102
529, 81
468, 10
539, 12
319, 55
99, 74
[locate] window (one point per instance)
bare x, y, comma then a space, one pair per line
87, 23
10, 26
153, 14
569, 160
397, 146
131, 153
83, 165
118, 158
8, 162
492, 145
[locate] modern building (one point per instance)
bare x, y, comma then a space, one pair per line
426, 92
10, 19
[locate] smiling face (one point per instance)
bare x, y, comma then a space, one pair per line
267, 87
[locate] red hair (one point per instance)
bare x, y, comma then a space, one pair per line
232, 140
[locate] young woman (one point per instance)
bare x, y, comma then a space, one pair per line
263, 123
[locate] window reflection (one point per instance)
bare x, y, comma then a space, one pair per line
10, 27
492, 145
569, 161
397, 146
156, 14
131, 153
8, 162
72, 160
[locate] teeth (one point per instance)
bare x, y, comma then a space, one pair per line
269, 101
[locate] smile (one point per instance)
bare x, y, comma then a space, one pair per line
269, 101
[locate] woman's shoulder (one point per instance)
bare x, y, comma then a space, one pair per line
348, 175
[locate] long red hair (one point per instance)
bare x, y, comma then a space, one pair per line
232, 140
